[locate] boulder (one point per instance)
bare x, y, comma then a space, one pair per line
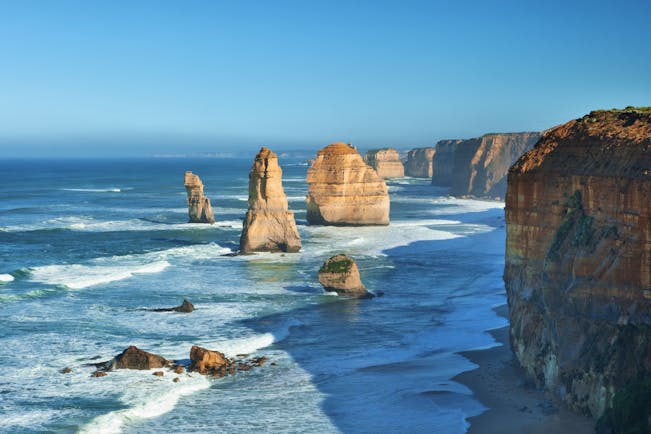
345, 191
207, 362
269, 226
185, 307
135, 358
199, 209
340, 274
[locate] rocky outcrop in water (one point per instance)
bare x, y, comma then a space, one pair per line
340, 274
185, 307
269, 226
419, 162
386, 162
135, 358
207, 362
199, 208
478, 167
343, 190
578, 257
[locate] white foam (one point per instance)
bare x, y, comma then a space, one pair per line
4, 278
250, 344
148, 398
110, 269
94, 190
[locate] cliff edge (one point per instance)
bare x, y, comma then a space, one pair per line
578, 257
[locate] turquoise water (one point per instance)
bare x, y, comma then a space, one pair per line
87, 245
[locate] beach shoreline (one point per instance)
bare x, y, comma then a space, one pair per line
514, 404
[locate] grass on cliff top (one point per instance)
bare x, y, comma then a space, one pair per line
629, 109
341, 266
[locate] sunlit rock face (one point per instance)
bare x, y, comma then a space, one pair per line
419, 162
199, 209
578, 257
386, 162
478, 167
343, 190
269, 226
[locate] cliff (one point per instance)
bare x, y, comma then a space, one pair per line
268, 224
343, 190
478, 167
578, 257
419, 162
199, 209
386, 162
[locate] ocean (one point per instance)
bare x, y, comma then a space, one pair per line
87, 246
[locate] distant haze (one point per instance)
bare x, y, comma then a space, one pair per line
129, 78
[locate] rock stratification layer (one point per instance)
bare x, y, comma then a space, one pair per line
419, 162
199, 208
341, 275
578, 257
343, 190
386, 162
477, 167
269, 226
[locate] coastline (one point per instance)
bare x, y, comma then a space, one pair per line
514, 405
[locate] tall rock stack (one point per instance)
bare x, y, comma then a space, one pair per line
199, 209
443, 162
269, 226
578, 257
386, 162
345, 191
419, 162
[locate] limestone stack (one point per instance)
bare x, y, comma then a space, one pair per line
340, 274
386, 162
345, 191
419, 162
199, 208
443, 162
578, 257
269, 226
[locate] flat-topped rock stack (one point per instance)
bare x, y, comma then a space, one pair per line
345, 191
340, 274
199, 209
269, 226
386, 162
419, 162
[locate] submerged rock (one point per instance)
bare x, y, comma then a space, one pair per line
269, 226
135, 358
199, 209
341, 275
185, 307
386, 162
343, 190
578, 257
419, 162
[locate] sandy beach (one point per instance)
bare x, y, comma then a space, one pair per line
515, 406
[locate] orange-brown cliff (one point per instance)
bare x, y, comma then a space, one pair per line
578, 257
343, 190
478, 167
419, 162
269, 226
386, 162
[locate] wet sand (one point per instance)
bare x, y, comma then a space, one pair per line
515, 405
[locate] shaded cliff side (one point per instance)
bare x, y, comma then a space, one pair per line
478, 167
343, 190
578, 257
268, 226
419, 162
386, 162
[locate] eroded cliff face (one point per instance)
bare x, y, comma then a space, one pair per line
269, 226
199, 209
477, 167
343, 190
578, 257
386, 162
419, 162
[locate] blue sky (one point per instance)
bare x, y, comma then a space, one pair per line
91, 78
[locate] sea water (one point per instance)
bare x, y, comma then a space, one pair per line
87, 246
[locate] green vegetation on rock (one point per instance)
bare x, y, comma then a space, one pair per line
631, 410
338, 266
575, 219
